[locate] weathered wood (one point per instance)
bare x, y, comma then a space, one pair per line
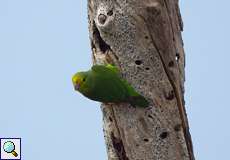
143, 38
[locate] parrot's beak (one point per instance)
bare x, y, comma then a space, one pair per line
76, 86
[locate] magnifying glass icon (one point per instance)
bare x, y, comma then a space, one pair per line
9, 147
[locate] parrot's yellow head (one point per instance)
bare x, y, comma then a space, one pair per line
78, 80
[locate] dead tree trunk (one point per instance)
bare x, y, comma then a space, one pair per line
143, 38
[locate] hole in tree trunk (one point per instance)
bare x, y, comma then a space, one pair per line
146, 140
150, 116
110, 13
177, 56
177, 127
103, 46
164, 135
138, 62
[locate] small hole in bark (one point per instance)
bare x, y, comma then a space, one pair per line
146, 140
150, 116
110, 13
110, 119
147, 68
102, 18
170, 96
146, 37
138, 62
177, 127
171, 64
177, 56
164, 135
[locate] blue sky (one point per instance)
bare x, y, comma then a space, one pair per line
44, 42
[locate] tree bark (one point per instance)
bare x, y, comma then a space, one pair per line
143, 38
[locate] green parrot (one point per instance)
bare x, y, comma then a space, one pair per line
103, 83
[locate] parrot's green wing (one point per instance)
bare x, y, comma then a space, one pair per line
108, 86
107, 70
135, 99
113, 68
118, 88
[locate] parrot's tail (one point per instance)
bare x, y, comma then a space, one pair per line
138, 101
